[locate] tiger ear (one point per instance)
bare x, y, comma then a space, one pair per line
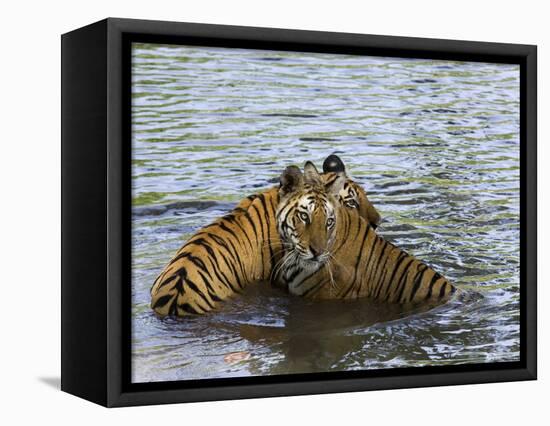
334, 186
291, 180
312, 176
333, 163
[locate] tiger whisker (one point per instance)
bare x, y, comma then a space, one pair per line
332, 282
338, 263
274, 254
292, 256
263, 246
286, 258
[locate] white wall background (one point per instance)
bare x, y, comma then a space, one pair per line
30, 209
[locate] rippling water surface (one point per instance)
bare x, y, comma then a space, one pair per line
436, 145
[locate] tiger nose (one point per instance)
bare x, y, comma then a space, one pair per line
315, 251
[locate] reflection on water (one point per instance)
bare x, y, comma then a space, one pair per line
435, 143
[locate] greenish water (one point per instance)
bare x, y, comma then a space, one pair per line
436, 145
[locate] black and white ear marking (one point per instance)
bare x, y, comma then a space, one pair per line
336, 184
312, 176
291, 180
333, 163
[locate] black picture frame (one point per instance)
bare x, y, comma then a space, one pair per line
96, 211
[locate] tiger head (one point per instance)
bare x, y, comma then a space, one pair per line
351, 195
307, 213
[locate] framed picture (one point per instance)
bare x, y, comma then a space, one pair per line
252, 212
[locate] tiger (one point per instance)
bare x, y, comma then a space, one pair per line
334, 253
236, 250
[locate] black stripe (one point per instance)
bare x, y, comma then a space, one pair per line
182, 275
368, 272
238, 258
417, 281
381, 257
273, 213
244, 233
225, 281
381, 281
173, 309
290, 210
241, 265
196, 289
442, 290
231, 266
209, 288
402, 283
377, 267
179, 286
161, 301
247, 216
161, 276
201, 242
177, 257
401, 258
434, 279
168, 280
263, 239
182, 272
188, 308
224, 227
198, 262
344, 233
233, 254
294, 273
269, 243
358, 258
216, 266
201, 307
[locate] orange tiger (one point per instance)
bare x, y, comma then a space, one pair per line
334, 253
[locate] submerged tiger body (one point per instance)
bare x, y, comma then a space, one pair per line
236, 250
333, 253
219, 260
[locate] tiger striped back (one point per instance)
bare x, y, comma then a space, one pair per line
220, 260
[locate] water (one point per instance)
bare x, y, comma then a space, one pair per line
436, 145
